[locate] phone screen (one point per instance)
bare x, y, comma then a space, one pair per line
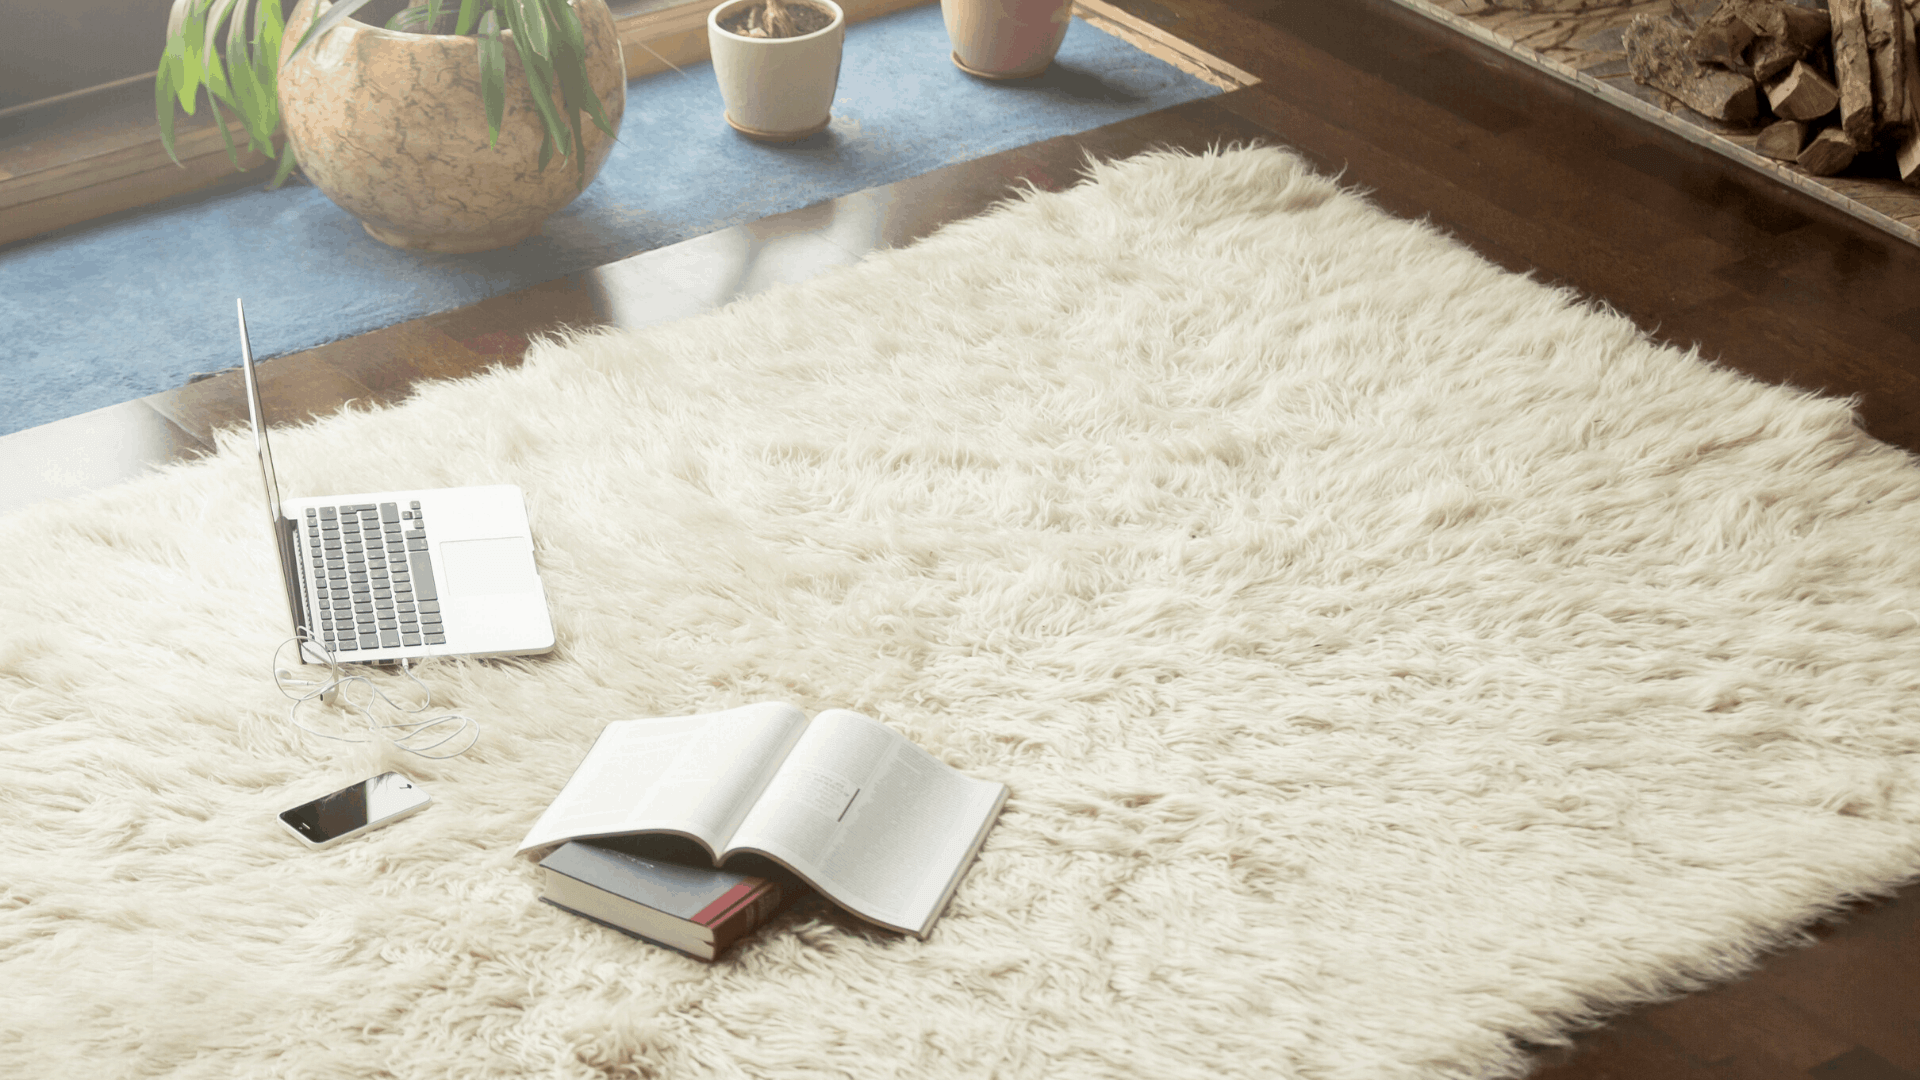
354, 807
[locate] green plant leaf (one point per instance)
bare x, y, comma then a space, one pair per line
433, 15
201, 45
177, 17
575, 92
572, 84
244, 83
406, 17
255, 103
163, 103
530, 29
237, 36
220, 121
211, 70
469, 11
246, 97
493, 75
287, 162
175, 56
566, 25
216, 76
543, 102
340, 12
188, 83
268, 28
216, 11
570, 55
546, 149
539, 80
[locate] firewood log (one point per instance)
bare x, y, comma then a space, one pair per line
1782, 140
1802, 94
1773, 55
1761, 36
1828, 153
1723, 38
1852, 72
1887, 61
1657, 56
1906, 151
1805, 27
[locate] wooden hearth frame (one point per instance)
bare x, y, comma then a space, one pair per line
1888, 205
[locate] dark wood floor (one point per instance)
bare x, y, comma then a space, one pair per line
1534, 175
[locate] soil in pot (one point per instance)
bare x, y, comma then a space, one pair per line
774, 19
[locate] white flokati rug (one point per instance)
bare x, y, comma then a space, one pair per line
1393, 662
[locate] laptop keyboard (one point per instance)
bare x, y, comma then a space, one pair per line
373, 584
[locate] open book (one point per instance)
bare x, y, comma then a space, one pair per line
873, 822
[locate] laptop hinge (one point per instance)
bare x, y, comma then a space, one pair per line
288, 535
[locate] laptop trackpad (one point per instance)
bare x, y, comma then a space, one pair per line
489, 567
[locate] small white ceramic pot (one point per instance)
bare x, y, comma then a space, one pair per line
1006, 39
777, 89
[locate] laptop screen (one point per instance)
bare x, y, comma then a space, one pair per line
282, 529
257, 417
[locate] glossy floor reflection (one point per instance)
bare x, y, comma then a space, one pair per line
116, 443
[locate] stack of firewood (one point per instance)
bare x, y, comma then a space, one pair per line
1828, 83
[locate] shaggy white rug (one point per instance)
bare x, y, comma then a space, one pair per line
1393, 662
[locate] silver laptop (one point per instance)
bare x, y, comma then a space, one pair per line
385, 576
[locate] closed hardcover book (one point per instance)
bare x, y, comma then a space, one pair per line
697, 910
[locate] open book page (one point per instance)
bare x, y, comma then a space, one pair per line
873, 821
697, 775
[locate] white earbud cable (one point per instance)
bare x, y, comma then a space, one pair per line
334, 690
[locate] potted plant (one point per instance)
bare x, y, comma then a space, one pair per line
439, 141
1005, 39
778, 63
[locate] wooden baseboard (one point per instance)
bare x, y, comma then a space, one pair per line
117, 163
109, 193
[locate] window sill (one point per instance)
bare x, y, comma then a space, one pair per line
99, 154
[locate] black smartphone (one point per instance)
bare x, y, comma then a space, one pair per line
354, 809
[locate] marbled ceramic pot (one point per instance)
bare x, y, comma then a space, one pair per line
1005, 39
392, 128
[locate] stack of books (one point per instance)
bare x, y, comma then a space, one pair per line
841, 803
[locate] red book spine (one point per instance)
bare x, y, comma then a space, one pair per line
754, 908
729, 902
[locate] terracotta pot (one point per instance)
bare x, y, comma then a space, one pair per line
777, 89
1005, 39
392, 128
